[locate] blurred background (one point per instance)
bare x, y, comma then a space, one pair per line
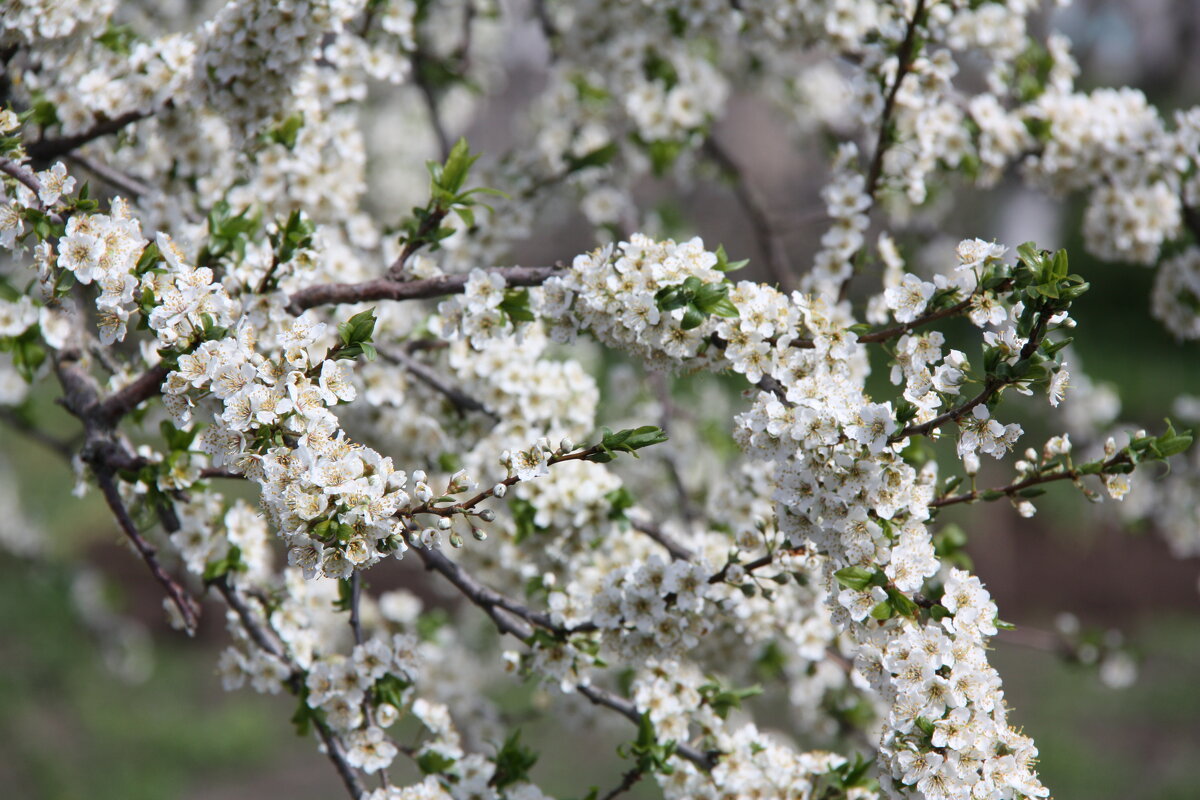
100, 699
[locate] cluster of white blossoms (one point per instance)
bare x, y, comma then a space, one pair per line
258, 162
33, 21
613, 295
252, 53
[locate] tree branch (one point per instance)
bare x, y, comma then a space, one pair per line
258, 633
626, 708
779, 265
904, 61
114, 177
1034, 480
189, 609
47, 149
385, 289
462, 401
990, 388
14, 421
125, 400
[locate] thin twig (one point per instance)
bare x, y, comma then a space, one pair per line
46, 149
904, 61
462, 401
189, 609
705, 761
121, 181
677, 551
627, 782
267, 639
757, 210
990, 388
25, 428
1016, 487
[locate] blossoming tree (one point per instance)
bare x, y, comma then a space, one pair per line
195, 268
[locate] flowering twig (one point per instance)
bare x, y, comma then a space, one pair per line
678, 551
904, 61
626, 708
266, 639
990, 387
628, 780
121, 181
1016, 487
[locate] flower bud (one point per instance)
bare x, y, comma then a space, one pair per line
487, 515
480, 535
500, 489
566, 445
386, 715
444, 523
456, 540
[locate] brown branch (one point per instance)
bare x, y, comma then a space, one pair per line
749, 567
627, 782
462, 401
189, 609
904, 61
501, 609
385, 289
114, 177
26, 176
677, 551
46, 149
779, 265
513, 618
705, 761
258, 633
125, 400
1034, 480
25, 428
990, 388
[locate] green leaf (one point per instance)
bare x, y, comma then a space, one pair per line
432, 762
513, 762
285, 132
515, 306
390, 689
883, 610
856, 578
620, 500
230, 562
430, 622
713, 298
118, 38
358, 329
599, 157
523, 513
723, 262
692, 318
902, 603
451, 176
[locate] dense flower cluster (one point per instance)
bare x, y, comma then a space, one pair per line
243, 305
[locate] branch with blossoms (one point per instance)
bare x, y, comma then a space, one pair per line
816, 556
